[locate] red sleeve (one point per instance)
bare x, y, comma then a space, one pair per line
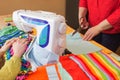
83, 3
114, 18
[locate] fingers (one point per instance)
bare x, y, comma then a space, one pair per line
8, 44
92, 32
88, 36
83, 23
20, 46
22, 42
11, 41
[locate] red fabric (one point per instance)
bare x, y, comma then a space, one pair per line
73, 69
100, 10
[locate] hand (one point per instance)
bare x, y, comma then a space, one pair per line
92, 32
83, 23
7, 45
19, 47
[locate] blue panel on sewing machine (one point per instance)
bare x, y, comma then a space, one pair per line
35, 21
44, 36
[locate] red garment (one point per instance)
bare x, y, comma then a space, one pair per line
100, 10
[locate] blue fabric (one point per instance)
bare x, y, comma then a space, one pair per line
9, 32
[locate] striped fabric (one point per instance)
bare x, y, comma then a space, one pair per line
9, 32
92, 66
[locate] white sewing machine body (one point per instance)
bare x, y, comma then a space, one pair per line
50, 40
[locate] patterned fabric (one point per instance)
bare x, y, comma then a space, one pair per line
92, 66
9, 32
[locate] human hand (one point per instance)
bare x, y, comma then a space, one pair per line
91, 33
83, 23
7, 45
19, 47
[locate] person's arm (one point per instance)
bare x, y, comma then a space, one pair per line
114, 18
106, 24
6, 46
93, 31
10, 69
1, 53
82, 14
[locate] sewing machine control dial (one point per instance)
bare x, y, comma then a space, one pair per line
62, 28
61, 42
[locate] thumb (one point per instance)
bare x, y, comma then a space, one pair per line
81, 21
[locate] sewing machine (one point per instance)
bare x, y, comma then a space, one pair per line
50, 41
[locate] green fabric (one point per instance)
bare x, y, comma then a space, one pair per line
64, 74
8, 19
7, 30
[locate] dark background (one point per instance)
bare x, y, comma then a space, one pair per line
72, 13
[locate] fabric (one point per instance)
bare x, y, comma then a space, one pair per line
9, 32
103, 9
25, 66
11, 68
76, 48
48, 72
63, 73
92, 66
72, 68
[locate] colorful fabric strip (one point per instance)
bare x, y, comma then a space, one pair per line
93, 66
73, 69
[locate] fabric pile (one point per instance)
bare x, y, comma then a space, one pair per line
92, 66
9, 32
